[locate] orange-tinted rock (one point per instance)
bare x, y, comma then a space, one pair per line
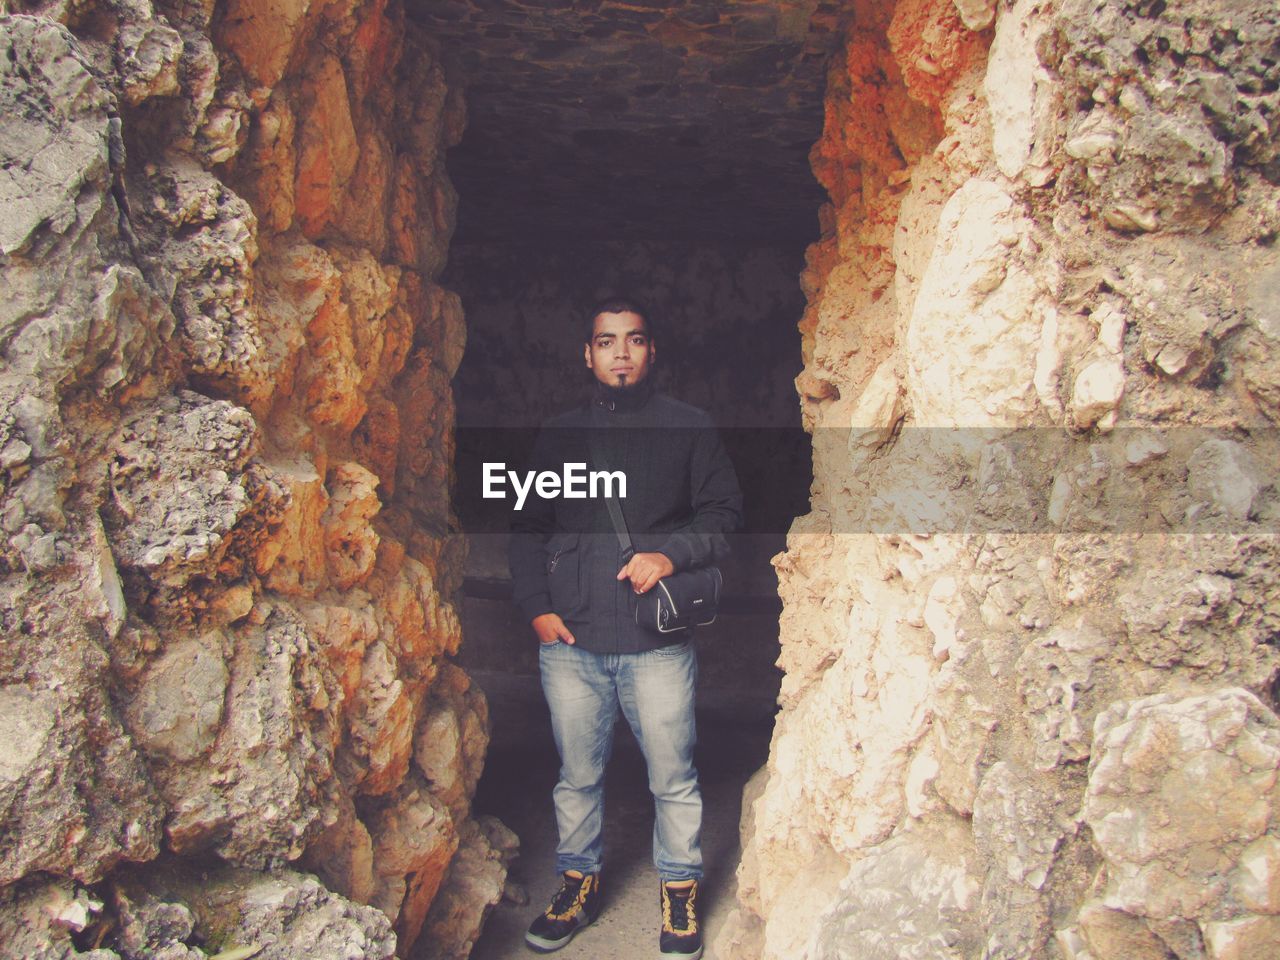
292, 558
371, 293
418, 625
251, 166
270, 161
402, 212
932, 47
381, 721
376, 442
343, 633
473, 886
330, 373
452, 738
351, 544
342, 855
262, 36
374, 49
445, 327
413, 841
327, 148
425, 447
362, 217
402, 322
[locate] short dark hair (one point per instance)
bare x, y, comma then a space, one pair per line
618, 304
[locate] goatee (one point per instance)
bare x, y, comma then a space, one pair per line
624, 390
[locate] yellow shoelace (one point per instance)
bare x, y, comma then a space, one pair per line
690, 916
579, 902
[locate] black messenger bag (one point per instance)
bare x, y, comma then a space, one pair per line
686, 599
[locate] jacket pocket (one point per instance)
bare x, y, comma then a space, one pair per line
564, 575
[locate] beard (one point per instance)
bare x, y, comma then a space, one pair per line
625, 388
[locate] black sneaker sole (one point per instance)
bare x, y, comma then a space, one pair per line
675, 955
542, 945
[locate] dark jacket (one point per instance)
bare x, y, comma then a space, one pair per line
682, 498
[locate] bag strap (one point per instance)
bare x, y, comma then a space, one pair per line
620, 527
611, 501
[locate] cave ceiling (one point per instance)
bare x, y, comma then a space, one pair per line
648, 118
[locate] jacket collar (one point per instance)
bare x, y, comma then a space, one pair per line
621, 401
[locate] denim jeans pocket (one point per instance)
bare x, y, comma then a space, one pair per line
672, 649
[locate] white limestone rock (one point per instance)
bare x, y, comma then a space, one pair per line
1223, 475
55, 139
1057, 676
1016, 87
976, 14
184, 480
178, 709
261, 791
1097, 392
285, 915
38, 919
911, 898
75, 797
972, 338
1179, 788
1016, 824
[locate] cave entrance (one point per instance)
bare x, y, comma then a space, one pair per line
657, 149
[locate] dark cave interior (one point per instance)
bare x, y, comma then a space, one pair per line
658, 149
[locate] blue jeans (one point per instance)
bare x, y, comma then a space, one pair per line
655, 690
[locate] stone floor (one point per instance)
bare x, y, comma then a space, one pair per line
516, 787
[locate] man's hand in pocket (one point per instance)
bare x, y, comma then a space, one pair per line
550, 628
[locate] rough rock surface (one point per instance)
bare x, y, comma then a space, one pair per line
284, 914
226, 577
1033, 611
38, 918
686, 118
228, 911
473, 886
1180, 801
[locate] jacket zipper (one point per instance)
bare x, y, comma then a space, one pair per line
554, 560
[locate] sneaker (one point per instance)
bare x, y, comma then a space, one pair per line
680, 937
575, 906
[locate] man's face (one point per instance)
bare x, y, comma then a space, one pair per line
620, 353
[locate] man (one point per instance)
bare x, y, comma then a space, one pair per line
570, 581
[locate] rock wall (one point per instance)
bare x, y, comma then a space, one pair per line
1034, 610
225, 429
